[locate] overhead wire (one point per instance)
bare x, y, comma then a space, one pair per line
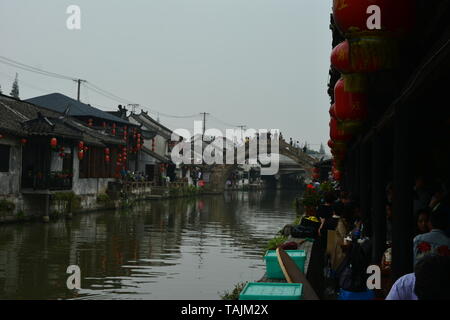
94, 88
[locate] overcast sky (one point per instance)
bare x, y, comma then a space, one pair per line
260, 63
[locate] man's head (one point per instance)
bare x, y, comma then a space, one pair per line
433, 278
439, 219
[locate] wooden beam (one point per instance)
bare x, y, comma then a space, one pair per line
402, 220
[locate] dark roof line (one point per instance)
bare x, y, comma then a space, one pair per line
59, 102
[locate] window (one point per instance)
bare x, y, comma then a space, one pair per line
4, 158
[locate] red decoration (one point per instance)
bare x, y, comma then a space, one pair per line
424, 247
332, 111
81, 145
107, 151
107, 158
350, 57
23, 141
81, 155
443, 251
53, 142
336, 133
349, 106
351, 16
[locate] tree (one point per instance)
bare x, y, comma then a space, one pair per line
15, 88
322, 149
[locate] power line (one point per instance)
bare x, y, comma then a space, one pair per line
29, 68
95, 88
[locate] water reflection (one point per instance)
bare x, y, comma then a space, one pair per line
169, 249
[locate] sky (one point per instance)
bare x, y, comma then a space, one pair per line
259, 63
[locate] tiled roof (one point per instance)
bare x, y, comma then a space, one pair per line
24, 119
59, 102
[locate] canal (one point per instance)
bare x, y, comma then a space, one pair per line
188, 248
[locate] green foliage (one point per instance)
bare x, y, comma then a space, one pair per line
7, 206
275, 242
297, 221
15, 88
234, 294
103, 197
310, 198
69, 200
326, 186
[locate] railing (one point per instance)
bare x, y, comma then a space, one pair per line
137, 186
49, 181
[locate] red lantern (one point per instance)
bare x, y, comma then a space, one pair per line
81, 145
81, 155
337, 175
332, 111
62, 154
352, 19
23, 141
113, 132
340, 58
53, 142
330, 144
107, 151
104, 124
336, 133
107, 158
349, 106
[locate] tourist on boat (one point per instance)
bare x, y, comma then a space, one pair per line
435, 241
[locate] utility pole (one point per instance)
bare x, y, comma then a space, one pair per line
79, 81
204, 123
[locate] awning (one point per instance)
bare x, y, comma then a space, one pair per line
155, 155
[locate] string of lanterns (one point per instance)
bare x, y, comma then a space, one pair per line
372, 30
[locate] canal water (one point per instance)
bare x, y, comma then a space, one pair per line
189, 248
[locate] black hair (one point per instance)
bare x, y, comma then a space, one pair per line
426, 211
433, 278
439, 219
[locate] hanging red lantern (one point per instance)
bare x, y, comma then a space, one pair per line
337, 175
332, 111
80, 154
107, 151
81, 145
107, 158
330, 144
53, 142
352, 17
104, 124
113, 131
348, 57
337, 133
62, 154
349, 106
23, 141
